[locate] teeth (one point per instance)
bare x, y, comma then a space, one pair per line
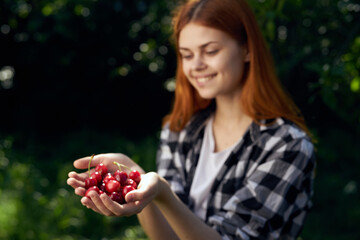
204, 79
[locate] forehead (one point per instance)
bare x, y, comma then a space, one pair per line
195, 35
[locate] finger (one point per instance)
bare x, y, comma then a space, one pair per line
80, 191
95, 198
79, 176
135, 195
146, 190
75, 183
89, 204
83, 163
111, 205
137, 200
129, 209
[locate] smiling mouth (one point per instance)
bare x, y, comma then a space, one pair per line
205, 79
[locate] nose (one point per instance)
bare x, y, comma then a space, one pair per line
198, 64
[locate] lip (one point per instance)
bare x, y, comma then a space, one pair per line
203, 79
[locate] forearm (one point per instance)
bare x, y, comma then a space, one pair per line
154, 224
183, 222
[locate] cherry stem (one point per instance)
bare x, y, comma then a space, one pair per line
121, 165
92, 156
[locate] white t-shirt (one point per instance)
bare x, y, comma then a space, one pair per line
208, 167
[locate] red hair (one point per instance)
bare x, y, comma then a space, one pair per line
262, 96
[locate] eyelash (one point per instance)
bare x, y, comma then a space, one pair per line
187, 57
210, 53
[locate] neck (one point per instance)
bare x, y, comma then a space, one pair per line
230, 123
229, 111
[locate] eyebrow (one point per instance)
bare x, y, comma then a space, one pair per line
201, 46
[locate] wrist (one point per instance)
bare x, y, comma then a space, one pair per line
164, 191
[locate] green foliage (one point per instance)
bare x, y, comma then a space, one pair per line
36, 203
316, 49
83, 57
69, 68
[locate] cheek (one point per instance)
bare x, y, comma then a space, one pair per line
234, 68
184, 67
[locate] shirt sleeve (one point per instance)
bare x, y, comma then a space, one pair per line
273, 198
170, 164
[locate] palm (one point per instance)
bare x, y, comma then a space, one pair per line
108, 160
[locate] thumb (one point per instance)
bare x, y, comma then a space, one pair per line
83, 163
135, 195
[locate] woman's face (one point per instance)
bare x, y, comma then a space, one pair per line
212, 61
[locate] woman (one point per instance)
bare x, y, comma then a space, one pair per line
235, 160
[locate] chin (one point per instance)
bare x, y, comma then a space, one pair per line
207, 96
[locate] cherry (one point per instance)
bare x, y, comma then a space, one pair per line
113, 186
126, 190
102, 186
97, 175
90, 181
93, 188
101, 192
102, 169
117, 197
131, 182
108, 178
135, 175
121, 176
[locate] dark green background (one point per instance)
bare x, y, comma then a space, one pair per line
93, 76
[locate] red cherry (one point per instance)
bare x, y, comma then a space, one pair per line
93, 188
116, 185
102, 169
97, 175
126, 190
113, 186
121, 176
131, 182
117, 197
135, 175
102, 186
89, 182
108, 178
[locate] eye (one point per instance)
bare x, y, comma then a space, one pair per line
212, 52
186, 56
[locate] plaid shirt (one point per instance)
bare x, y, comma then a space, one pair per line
264, 188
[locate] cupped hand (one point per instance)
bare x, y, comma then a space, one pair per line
136, 200
77, 180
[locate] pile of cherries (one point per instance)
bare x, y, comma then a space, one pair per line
115, 185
